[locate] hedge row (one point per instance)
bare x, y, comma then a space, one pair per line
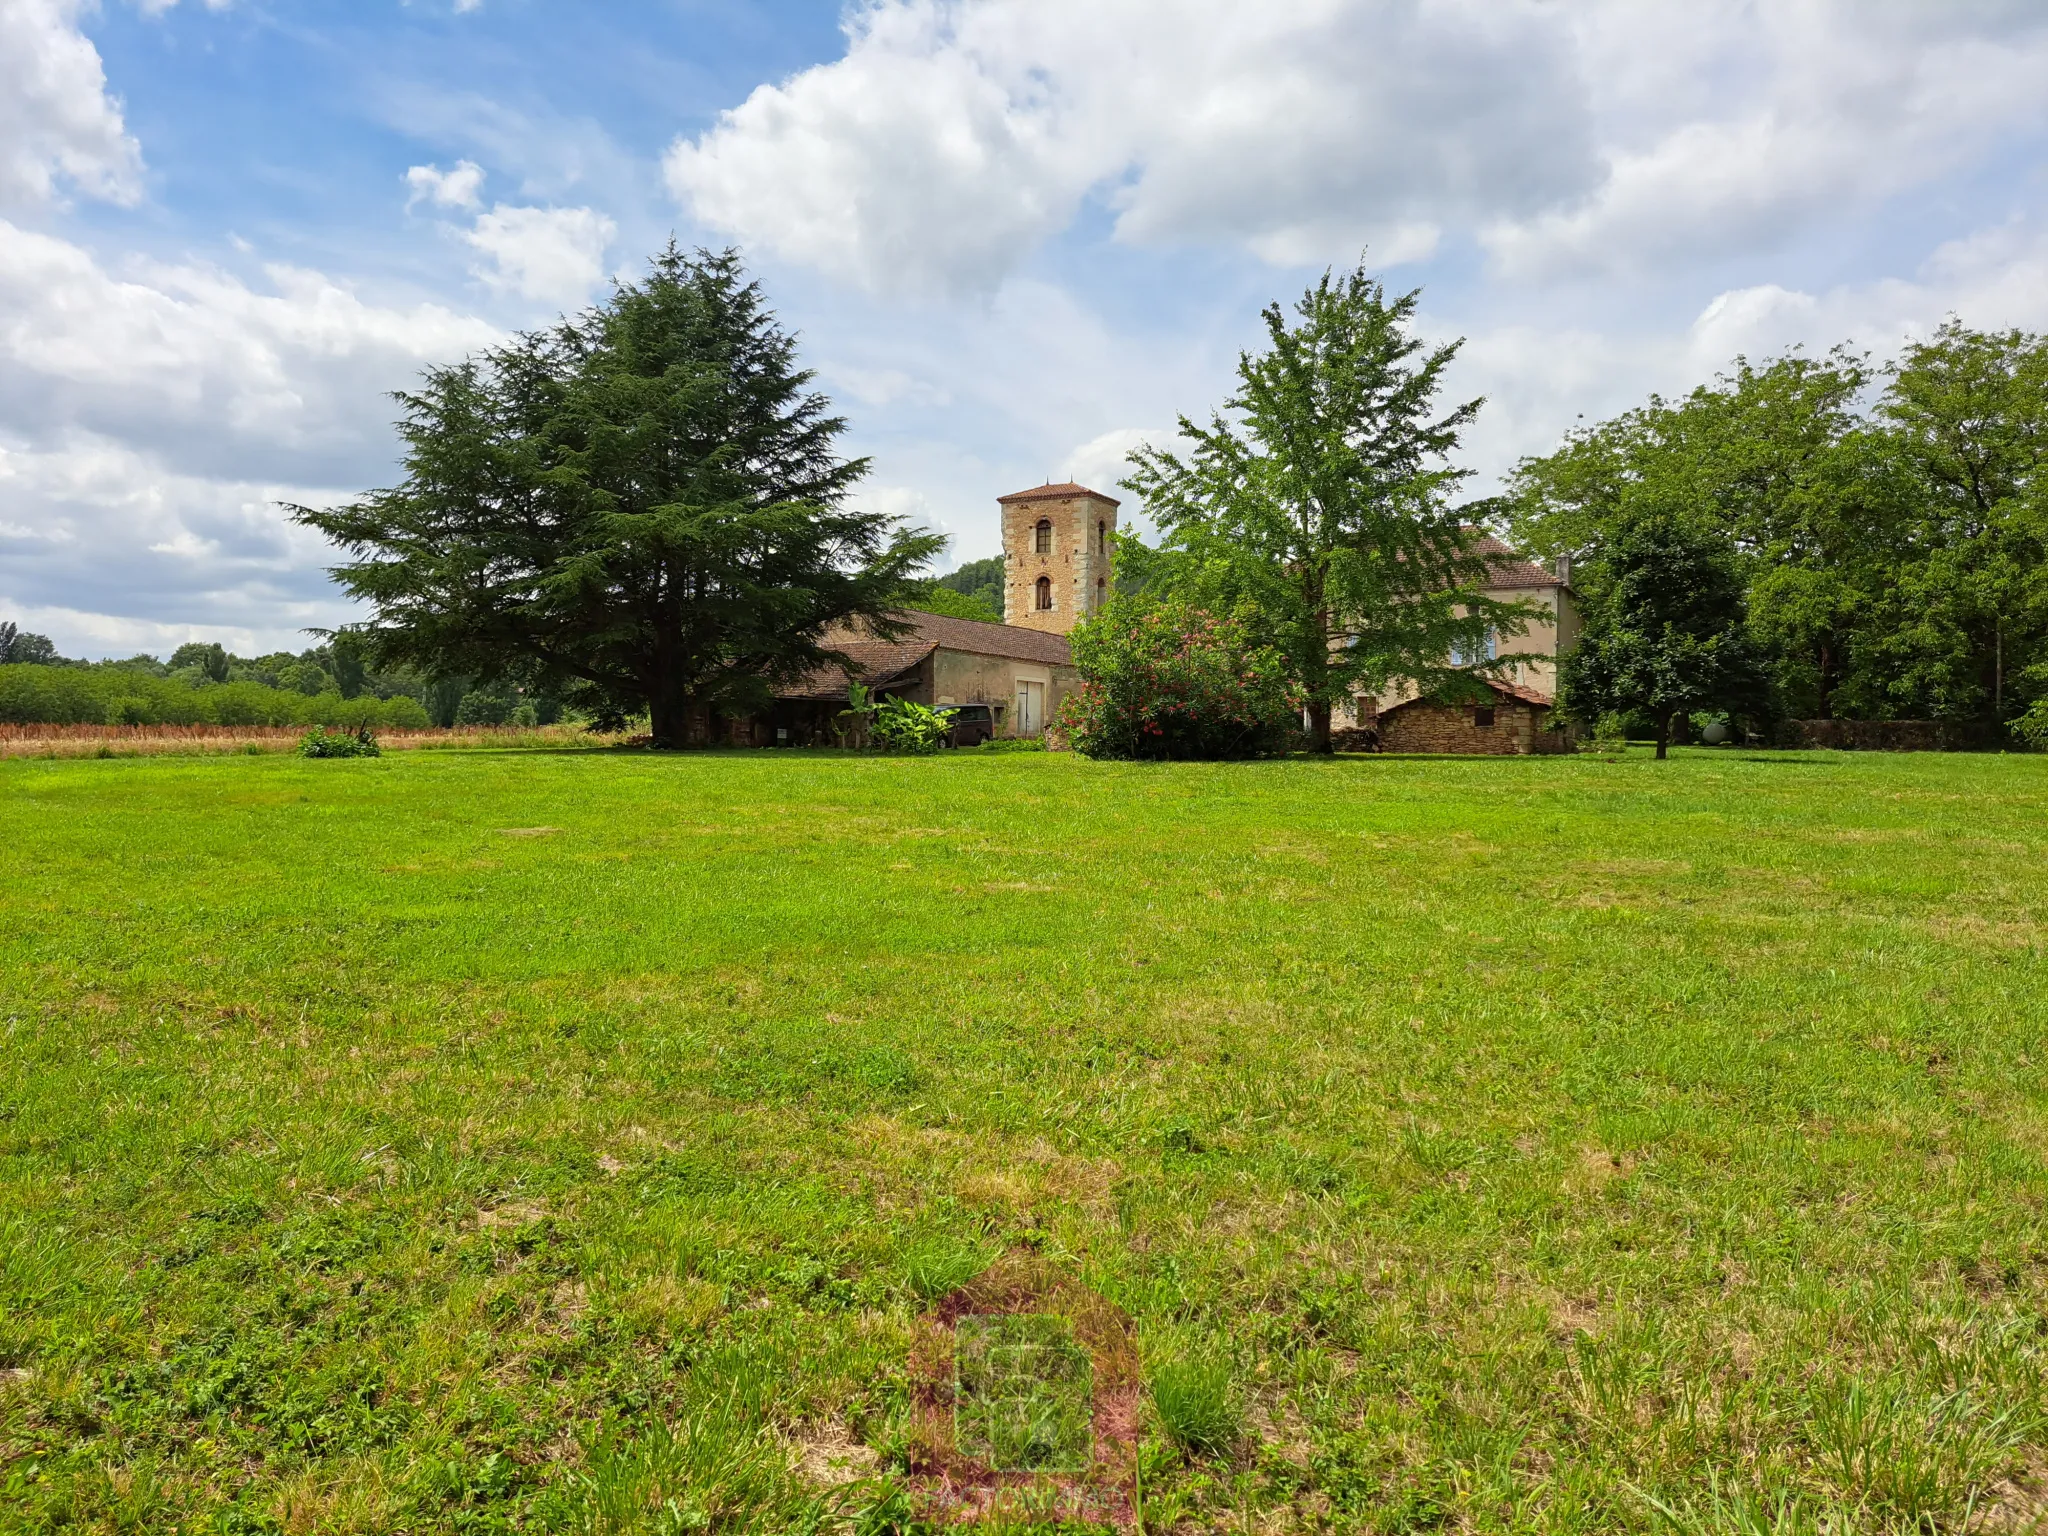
33, 695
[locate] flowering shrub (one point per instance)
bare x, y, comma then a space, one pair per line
1165, 680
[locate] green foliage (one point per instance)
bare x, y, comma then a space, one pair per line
210, 660
492, 704
641, 510
308, 678
852, 723
1165, 679
18, 648
719, 1468
934, 597
117, 695
981, 579
1610, 733
402, 712
937, 1268
322, 742
2032, 727
1196, 1405
1668, 637
1323, 507
904, 725
1022, 1393
1893, 553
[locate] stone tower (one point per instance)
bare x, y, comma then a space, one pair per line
1056, 555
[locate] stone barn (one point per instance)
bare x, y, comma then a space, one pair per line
1514, 724
1023, 675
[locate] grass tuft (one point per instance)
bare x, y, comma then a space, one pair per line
936, 1269
1196, 1405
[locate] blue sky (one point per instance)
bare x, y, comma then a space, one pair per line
1017, 236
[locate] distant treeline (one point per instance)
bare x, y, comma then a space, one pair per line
208, 685
113, 695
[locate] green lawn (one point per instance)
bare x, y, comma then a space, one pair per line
573, 1141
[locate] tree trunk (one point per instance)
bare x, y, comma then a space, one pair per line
669, 721
1319, 726
1827, 683
1663, 735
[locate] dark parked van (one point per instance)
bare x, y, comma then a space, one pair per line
972, 723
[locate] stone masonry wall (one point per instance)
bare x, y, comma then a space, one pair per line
1517, 729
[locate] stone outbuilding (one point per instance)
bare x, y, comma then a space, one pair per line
1515, 724
1023, 675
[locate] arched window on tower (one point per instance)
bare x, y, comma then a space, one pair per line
1102, 538
1045, 587
1101, 590
1045, 538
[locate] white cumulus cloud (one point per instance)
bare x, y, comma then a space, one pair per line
1729, 127
554, 255
57, 122
150, 419
956, 134
456, 187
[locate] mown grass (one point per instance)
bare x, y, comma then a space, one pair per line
569, 1141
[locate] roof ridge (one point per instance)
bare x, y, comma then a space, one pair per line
1065, 490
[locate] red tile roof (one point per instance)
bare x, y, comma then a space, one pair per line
874, 662
1508, 569
881, 662
981, 639
1506, 690
1065, 491
1523, 692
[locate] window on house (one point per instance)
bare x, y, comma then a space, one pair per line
1044, 590
1466, 655
1045, 539
1483, 718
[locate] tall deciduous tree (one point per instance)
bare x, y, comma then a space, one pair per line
1969, 411
1895, 551
1668, 635
18, 647
1323, 501
643, 508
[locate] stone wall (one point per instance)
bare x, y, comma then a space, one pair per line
1885, 736
1517, 730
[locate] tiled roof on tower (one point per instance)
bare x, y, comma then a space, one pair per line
1066, 490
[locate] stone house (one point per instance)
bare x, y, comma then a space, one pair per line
1514, 723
